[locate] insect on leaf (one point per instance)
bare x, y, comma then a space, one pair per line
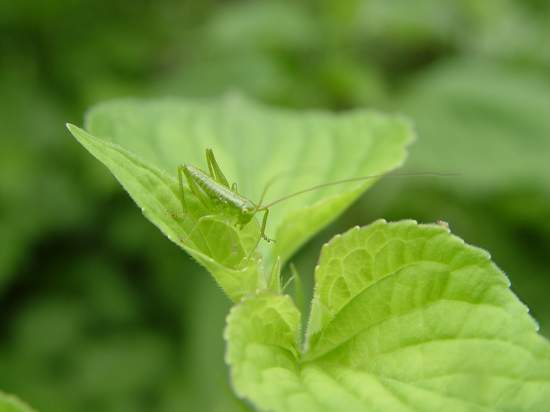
143, 143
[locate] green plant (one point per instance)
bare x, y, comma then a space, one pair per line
143, 143
404, 316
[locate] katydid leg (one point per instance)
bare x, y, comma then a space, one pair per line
215, 170
210, 168
262, 233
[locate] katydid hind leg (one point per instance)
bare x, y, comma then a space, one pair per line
209, 164
214, 168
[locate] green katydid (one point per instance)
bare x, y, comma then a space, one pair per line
213, 191
216, 195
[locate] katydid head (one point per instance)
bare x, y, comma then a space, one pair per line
246, 214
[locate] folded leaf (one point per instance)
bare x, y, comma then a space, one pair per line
143, 143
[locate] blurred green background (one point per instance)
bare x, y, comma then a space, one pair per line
99, 312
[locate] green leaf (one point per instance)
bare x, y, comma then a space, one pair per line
9, 403
405, 317
143, 142
489, 122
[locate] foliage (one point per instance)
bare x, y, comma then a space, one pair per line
80, 268
404, 317
143, 143
399, 310
501, 194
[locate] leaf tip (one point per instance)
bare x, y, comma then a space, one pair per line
76, 131
71, 127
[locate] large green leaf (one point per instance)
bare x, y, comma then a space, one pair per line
143, 142
405, 317
487, 121
491, 123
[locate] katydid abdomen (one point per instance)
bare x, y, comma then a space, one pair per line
221, 197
